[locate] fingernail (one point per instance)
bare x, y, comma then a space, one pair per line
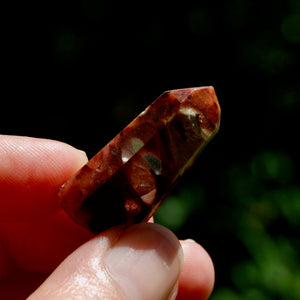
83, 157
189, 241
145, 262
174, 292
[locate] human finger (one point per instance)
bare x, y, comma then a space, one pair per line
197, 277
31, 170
39, 246
142, 262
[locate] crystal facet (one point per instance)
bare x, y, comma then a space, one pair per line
128, 179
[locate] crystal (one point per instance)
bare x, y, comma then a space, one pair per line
129, 178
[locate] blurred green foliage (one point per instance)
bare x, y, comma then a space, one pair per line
291, 28
79, 71
264, 219
178, 208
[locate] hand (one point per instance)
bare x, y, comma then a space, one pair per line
144, 261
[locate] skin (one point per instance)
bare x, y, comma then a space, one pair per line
37, 237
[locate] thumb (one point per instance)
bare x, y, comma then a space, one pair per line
143, 261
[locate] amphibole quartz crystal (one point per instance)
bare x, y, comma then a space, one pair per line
128, 179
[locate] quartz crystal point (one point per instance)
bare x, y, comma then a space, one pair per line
128, 179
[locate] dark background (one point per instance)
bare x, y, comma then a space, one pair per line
79, 71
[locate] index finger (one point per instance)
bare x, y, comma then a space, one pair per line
31, 170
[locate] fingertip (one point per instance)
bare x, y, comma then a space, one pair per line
142, 247
198, 274
31, 171
142, 262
